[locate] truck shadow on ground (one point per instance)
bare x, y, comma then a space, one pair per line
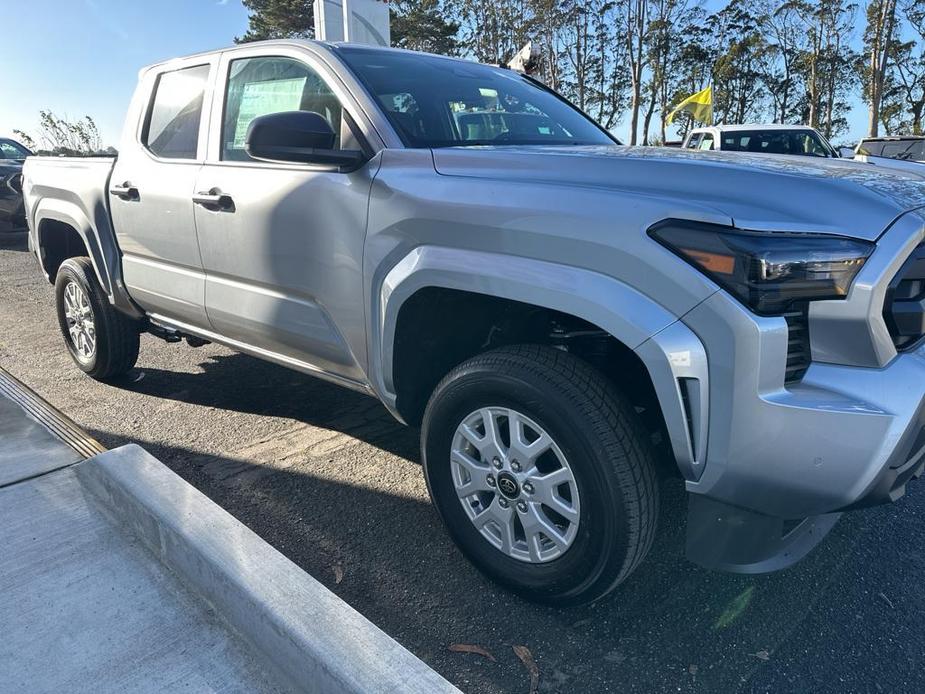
672, 625
400, 569
240, 383
14, 240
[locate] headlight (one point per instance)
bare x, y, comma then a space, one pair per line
767, 272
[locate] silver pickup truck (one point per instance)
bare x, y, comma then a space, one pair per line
572, 323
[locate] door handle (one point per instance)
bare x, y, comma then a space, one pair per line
125, 192
214, 200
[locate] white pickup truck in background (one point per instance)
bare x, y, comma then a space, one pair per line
900, 153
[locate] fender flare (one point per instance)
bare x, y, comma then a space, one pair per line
49, 209
622, 311
104, 254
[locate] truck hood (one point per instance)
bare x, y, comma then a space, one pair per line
759, 192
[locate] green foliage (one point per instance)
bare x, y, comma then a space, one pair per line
25, 139
278, 19
902, 108
60, 136
422, 25
784, 61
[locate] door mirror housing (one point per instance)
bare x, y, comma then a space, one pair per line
304, 137
846, 153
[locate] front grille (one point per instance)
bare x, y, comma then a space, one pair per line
798, 350
904, 310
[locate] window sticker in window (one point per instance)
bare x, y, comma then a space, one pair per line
262, 98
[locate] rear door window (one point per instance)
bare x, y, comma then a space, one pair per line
707, 141
172, 129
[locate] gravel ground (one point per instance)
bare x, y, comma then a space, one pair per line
327, 477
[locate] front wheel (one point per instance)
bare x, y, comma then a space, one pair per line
101, 341
542, 472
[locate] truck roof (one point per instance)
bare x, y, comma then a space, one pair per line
332, 46
893, 138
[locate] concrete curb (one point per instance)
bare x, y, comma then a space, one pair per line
312, 639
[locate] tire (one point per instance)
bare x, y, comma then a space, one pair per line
607, 457
116, 336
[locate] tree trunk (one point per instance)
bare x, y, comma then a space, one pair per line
879, 57
636, 35
648, 117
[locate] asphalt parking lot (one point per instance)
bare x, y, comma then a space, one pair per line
327, 477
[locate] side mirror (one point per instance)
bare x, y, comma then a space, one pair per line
846, 153
298, 136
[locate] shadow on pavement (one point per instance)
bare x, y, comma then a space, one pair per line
240, 383
672, 626
14, 240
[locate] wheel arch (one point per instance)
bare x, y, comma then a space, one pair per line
63, 229
675, 364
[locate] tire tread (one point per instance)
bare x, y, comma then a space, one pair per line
117, 334
616, 426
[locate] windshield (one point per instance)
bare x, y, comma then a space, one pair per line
907, 150
801, 142
438, 102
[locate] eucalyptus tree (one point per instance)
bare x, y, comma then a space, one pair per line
786, 45
879, 43
492, 31
278, 19
908, 79
423, 25
691, 66
634, 23
664, 38
741, 49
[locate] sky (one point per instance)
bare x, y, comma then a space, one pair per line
81, 57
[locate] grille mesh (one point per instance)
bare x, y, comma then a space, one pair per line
905, 303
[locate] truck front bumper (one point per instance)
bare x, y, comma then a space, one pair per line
783, 460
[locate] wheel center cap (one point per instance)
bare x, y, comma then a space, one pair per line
507, 485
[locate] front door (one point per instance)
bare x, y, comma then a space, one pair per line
282, 244
151, 191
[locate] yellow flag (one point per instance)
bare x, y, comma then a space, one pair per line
699, 105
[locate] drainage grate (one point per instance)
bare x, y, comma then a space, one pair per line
53, 420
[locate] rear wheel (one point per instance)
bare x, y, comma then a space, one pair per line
542, 472
101, 341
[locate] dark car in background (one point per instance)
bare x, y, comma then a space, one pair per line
12, 156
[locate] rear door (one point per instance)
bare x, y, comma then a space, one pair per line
152, 186
283, 252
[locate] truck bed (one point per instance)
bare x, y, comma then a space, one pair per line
75, 191
81, 180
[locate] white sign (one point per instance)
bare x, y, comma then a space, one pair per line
355, 21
